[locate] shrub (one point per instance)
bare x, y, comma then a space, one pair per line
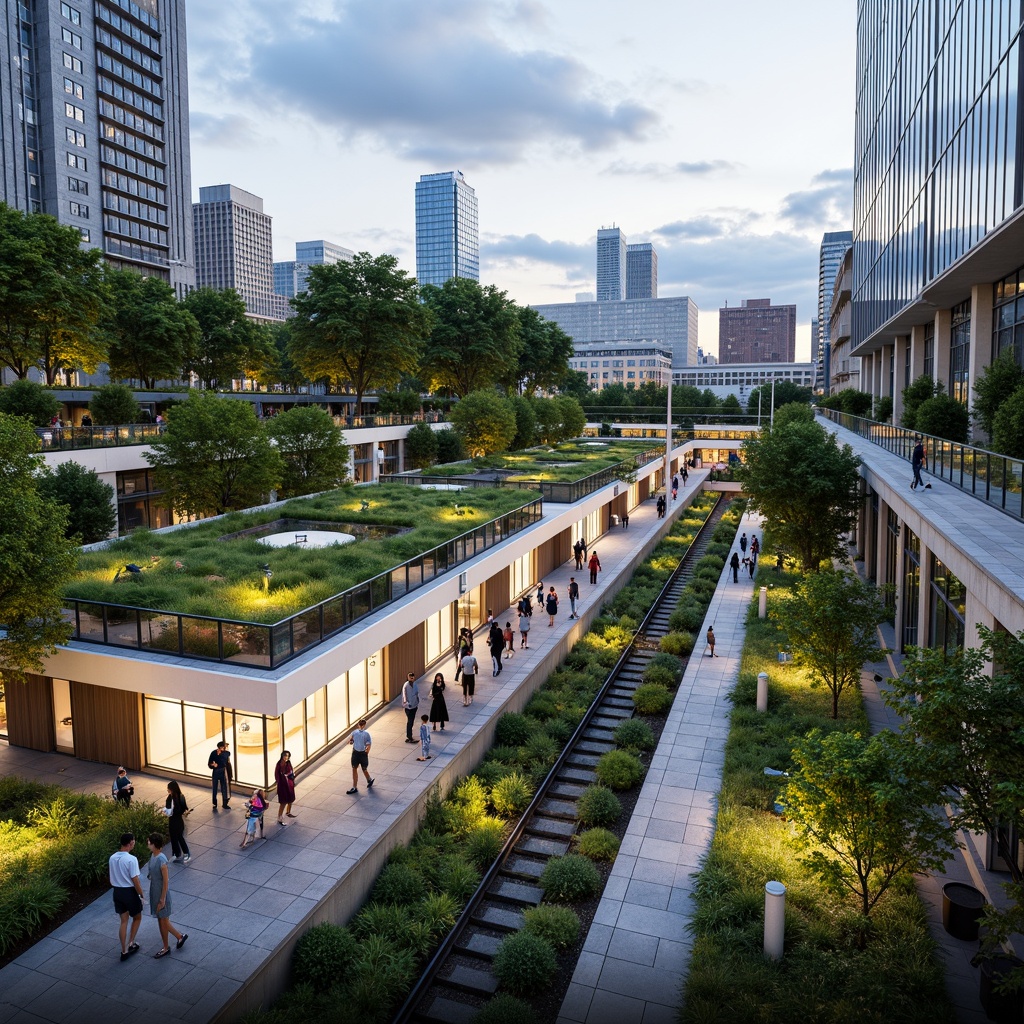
598, 806
512, 730
323, 956
619, 769
558, 925
484, 843
652, 699
677, 642
511, 795
541, 749
505, 1009
660, 675
437, 913
471, 795
380, 973
386, 919
24, 905
114, 404
599, 844
398, 883
689, 615
669, 661
569, 879
55, 820
29, 400
943, 416
455, 877
490, 773
524, 962
559, 730
633, 734
449, 446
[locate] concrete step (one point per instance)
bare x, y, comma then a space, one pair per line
578, 775
477, 944
443, 1010
571, 791
542, 847
471, 979
508, 891
552, 828
558, 809
504, 919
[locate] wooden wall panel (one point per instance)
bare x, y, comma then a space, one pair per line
496, 592
107, 724
553, 553
406, 654
30, 713
643, 489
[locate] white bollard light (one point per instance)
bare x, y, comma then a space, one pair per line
762, 603
774, 919
762, 691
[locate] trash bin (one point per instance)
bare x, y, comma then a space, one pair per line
1000, 1006
962, 906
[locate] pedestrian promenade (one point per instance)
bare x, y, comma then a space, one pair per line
239, 906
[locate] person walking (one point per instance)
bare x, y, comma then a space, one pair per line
625, 520
510, 640
734, 564
284, 776
686, 474
438, 707
160, 896
750, 565
661, 506
465, 646
574, 596
675, 486
755, 548
411, 701
360, 742
177, 810
220, 762
424, 739
255, 806
551, 605
524, 631
577, 551
469, 670
918, 461
540, 594
123, 870
496, 643
743, 543
595, 567
711, 642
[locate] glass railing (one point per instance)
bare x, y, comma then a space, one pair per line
270, 645
995, 479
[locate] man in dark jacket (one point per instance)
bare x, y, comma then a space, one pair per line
496, 642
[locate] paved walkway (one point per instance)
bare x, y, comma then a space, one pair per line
237, 906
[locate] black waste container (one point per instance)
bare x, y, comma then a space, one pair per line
1005, 1007
962, 906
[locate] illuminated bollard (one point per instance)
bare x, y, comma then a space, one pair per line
762, 603
762, 691
774, 919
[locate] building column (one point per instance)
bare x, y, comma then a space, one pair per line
976, 614
898, 384
867, 372
943, 334
924, 600
883, 537
981, 336
863, 526
878, 371
401, 456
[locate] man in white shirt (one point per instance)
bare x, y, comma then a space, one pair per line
469, 669
411, 703
124, 877
360, 742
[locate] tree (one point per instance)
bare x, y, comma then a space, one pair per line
548, 419
359, 324
544, 353
883, 409
862, 816
806, 487
574, 419
793, 412
920, 389
854, 402
575, 383
943, 416
150, 334
37, 560
831, 622
112, 404
214, 456
526, 423
449, 446
475, 341
486, 422
313, 448
88, 500
785, 391
1008, 426
29, 400
225, 335
399, 403
420, 446
998, 381
731, 407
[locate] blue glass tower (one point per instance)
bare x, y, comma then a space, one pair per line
447, 235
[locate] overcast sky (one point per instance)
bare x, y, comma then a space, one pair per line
722, 133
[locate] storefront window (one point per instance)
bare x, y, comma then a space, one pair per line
911, 587
257, 739
164, 748
949, 606
438, 630
356, 692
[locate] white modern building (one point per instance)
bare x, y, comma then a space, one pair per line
740, 379
629, 363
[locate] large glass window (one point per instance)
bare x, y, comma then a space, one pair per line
892, 542
948, 607
1008, 317
960, 351
929, 350
438, 629
911, 587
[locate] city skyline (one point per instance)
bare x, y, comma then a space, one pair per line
561, 119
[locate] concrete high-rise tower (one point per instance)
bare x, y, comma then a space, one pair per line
757, 332
94, 126
447, 229
641, 271
611, 265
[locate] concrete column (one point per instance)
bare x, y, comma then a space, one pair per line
881, 356
976, 614
900, 381
924, 603
943, 321
901, 596
863, 527
867, 373
883, 537
981, 336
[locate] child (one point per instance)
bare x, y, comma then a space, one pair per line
424, 738
510, 641
254, 808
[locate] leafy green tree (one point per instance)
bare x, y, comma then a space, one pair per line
486, 421
548, 419
575, 383
313, 448
574, 419
544, 353
113, 404
943, 416
214, 456
997, 382
150, 334
919, 390
1008, 426
283, 370
359, 324
854, 402
526, 423
399, 403
863, 816
883, 409
37, 560
831, 621
806, 487
421, 446
793, 412
259, 358
785, 392
731, 407
225, 335
88, 500
29, 400
449, 446
475, 341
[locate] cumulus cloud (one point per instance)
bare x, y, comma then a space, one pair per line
432, 81
827, 204
502, 250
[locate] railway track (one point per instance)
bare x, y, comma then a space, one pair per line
459, 975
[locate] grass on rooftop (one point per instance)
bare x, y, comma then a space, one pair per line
586, 458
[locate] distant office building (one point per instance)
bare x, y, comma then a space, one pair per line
94, 126
668, 322
611, 265
833, 247
629, 363
447, 230
234, 248
757, 332
641, 271
842, 368
584, 296
290, 275
740, 379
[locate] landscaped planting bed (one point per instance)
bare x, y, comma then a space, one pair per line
836, 968
196, 571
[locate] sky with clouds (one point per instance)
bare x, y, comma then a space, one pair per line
724, 135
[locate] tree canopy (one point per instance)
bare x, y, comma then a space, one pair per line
226, 335
313, 449
785, 391
486, 421
29, 400
997, 382
806, 487
359, 324
88, 500
112, 404
544, 353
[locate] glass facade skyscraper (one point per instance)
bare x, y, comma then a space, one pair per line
611, 265
447, 229
641, 271
290, 275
